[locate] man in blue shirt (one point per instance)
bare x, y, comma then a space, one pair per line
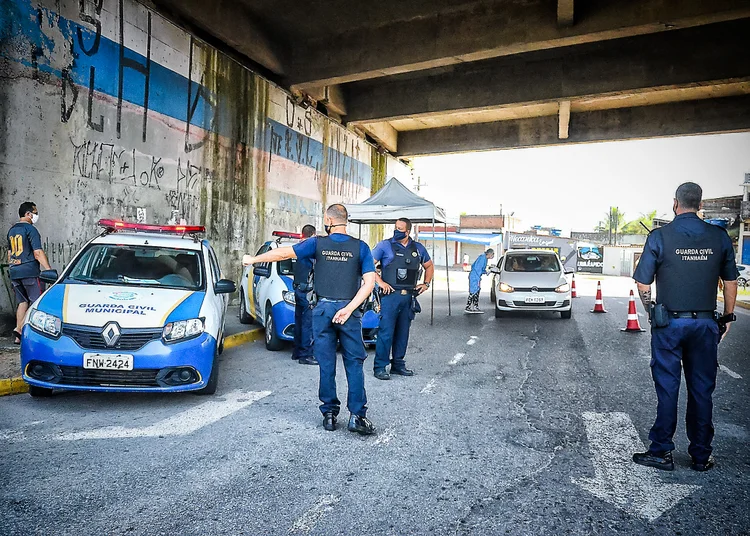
344, 276
686, 258
478, 269
25, 256
400, 261
303, 335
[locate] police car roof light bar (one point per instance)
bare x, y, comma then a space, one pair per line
117, 225
285, 234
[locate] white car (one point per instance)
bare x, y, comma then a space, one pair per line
744, 275
531, 280
139, 308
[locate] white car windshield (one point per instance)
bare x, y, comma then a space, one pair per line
111, 264
532, 262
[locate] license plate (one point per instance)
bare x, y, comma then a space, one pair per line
535, 299
108, 361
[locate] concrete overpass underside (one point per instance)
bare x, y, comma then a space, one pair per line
439, 76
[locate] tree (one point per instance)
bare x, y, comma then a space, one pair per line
613, 224
635, 227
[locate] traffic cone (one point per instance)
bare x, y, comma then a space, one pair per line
598, 304
633, 324
573, 293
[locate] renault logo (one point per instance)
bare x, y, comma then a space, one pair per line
111, 334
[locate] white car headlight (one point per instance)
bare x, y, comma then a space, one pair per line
562, 289
505, 287
44, 322
288, 296
183, 329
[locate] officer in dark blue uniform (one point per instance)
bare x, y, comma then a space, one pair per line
400, 260
303, 335
344, 276
687, 258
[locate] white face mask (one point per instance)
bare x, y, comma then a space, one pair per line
34, 218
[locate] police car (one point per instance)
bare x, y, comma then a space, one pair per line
267, 297
139, 308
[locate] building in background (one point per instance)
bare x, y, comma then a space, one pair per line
743, 235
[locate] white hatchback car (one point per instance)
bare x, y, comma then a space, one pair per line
531, 280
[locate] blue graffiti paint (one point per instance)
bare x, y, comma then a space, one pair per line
23, 28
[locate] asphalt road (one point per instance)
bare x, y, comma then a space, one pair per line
517, 425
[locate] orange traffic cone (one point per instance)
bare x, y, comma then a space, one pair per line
573, 293
633, 324
598, 304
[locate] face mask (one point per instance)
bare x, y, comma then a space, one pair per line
34, 218
399, 235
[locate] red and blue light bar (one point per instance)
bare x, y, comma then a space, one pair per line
285, 234
118, 225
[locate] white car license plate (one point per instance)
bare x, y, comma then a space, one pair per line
535, 299
108, 361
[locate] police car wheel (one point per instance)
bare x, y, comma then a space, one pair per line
565, 315
273, 342
39, 392
245, 317
213, 379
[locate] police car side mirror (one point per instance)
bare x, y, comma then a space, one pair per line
262, 270
225, 286
48, 276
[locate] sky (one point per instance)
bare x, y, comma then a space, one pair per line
572, 187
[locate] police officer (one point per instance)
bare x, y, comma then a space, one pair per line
25, 257
303, 338
400, 260
687, 257
344, 276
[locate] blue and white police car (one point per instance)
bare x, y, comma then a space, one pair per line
139, 308
267, 297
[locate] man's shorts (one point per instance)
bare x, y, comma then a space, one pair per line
27, 289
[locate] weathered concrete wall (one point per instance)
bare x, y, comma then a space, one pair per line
108, 110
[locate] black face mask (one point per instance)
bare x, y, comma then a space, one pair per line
329, 227
399, 235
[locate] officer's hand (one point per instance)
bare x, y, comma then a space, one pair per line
421, 288
386, 288
342, 316
247, 260
726, 330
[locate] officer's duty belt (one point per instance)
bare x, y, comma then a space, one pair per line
692, 314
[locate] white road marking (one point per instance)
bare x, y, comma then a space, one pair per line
617, 480
729, 371
385, 437
309, 519
183, 423
456, 359
429, 387
472, 340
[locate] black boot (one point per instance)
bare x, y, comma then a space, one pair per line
307, 361
659, 460
703, 466
329, 421
361, 425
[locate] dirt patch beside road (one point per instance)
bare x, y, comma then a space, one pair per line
10, 363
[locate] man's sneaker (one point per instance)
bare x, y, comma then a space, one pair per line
468, 309
703, 466
659, 460
361, 425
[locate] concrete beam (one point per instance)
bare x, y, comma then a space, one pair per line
489, 31
565, 12
384, 133
228, 22
563, 120
332, 97
718, 52
730, 114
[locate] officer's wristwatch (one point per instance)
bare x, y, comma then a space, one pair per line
427, 283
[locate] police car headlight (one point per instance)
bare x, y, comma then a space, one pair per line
288, 296
505, 287
184, 329
562, 289
45, 323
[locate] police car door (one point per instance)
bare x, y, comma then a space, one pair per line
257, 286
218, 302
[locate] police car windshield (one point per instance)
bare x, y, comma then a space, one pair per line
142, 266
532, 263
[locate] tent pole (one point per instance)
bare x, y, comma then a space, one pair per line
447, 272
432, 287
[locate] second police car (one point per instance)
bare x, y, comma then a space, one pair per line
267, 297
139, 308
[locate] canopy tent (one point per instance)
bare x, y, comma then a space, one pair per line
394, 201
